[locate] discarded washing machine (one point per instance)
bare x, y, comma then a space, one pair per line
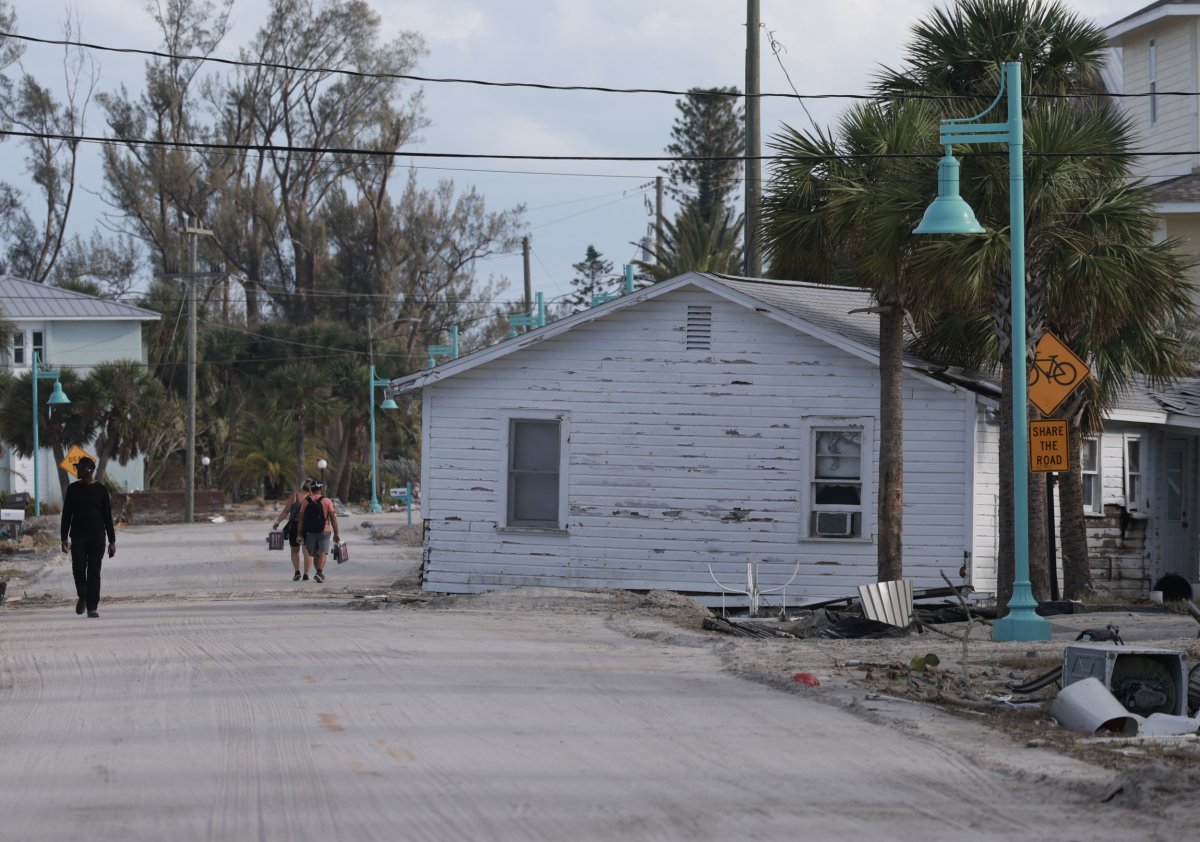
1144, 681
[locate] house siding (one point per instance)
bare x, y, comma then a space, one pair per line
986, 521
680, 459
1176, 126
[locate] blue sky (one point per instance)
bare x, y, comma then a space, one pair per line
825, 47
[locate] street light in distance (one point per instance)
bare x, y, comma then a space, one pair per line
57, 398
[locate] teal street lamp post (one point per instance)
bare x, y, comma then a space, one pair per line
57, 398
949, 214
387, 404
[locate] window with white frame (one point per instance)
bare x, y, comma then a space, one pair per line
1133, 473
38, 345
1089, 459
836, 484
1153, 60
533, 473
18, 348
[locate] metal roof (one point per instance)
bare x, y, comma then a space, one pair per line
23, 299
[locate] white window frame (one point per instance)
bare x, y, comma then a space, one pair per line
1153, 69
18, 351
809, 427
507, 417
37, 345
1133, 502
1094, 477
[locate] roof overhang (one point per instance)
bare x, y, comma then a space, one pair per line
1148, 16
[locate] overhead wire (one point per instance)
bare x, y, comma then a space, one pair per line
544, 86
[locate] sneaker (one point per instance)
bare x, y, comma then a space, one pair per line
93, 613
320, 576
296, 578
79, 606
305, 577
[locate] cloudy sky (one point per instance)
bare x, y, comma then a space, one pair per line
825, 46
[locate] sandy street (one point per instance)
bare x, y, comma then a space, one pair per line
214, 699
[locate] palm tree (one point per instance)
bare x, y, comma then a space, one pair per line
841, 208
127, 403
302, 392
261, 452
694, 244
1094, 273
58, 427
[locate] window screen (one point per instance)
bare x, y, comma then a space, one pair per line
533, 456
1089, 459
837, 483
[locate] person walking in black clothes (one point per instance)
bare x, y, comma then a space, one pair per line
86, 522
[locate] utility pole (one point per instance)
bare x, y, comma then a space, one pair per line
189, 490
528, 275
658, 219
753, 261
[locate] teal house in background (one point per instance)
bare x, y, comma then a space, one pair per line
67, 330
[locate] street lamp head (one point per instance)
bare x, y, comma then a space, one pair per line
949, 213
205, 461
58, 397
390, 403
322, 464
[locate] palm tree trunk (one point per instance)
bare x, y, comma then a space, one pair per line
299, 449
891, 443
1077, 571
1039, 554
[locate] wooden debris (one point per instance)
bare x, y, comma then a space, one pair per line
742, 629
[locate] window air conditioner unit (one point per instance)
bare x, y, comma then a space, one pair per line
834, 524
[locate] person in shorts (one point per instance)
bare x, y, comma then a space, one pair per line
318, 525
290, 518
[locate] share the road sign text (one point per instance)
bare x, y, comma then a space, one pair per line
1048, 446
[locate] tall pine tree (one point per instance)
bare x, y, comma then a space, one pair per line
593, 275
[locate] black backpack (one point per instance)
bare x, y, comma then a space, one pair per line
314, 515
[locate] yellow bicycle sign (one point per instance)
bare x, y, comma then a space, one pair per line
1054, 373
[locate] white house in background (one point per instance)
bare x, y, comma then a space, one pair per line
710, 421
1154, 55
67, 330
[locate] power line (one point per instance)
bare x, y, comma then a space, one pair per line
411, 77
264, 148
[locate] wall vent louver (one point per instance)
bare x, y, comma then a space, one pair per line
698, 336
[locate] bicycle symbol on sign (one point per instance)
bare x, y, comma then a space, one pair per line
1061, 373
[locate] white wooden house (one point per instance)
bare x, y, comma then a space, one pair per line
671, 437
703, 422
1154, 54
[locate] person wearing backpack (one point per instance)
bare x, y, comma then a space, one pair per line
290, 517
318, 521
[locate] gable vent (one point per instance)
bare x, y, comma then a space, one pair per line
698, 336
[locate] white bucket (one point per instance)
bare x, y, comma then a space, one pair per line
1086, 705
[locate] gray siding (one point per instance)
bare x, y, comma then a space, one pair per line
679, 459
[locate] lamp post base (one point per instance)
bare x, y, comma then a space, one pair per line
1022, 621
376, 506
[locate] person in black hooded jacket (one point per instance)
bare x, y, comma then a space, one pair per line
86, 522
